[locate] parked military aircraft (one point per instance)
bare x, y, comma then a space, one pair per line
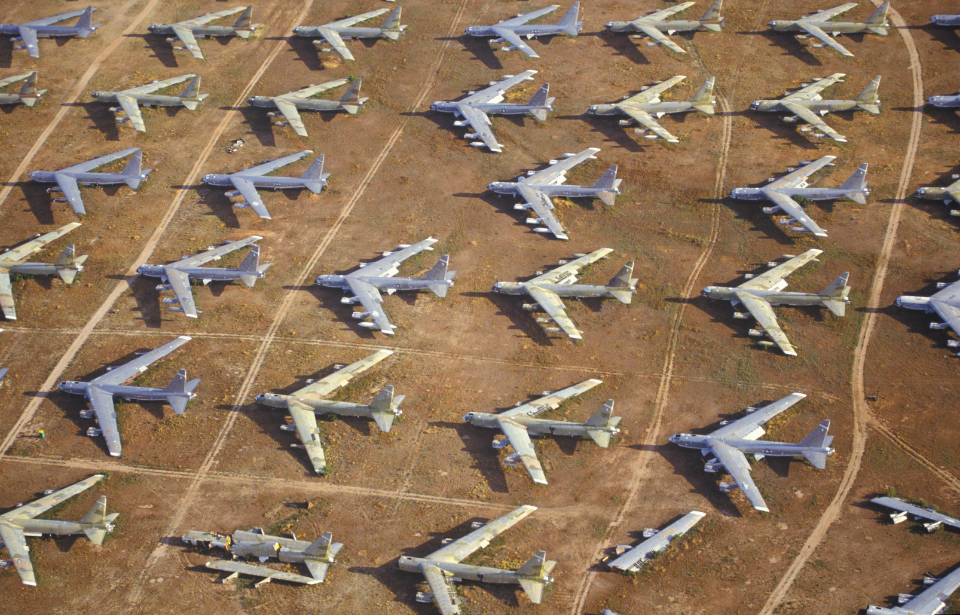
443, 568
654, 25
366, 283
25, 35
335, 32
547, 289
944, 193
69, 179
806, 104
820, 26
929, 602
478, 105
307, 402
934, 519
536, 188
132, 99
645, 106
318, 556
631, 559
945, 303
177, 275
761, 292
782, 191
288, 104
945, 20
28, 94
189, 31
247, 180
951, 100
101, 390
14, 261
520, 422
515, 29
735, 439
21, 522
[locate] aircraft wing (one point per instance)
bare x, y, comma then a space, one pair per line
216, 253
158, 85
371, 300
333, 37
289, 111
6, 296
494, 93
132, 109
566, 274
947, 311
933, 599
90, 165
543, 207
443, 590
268, 574
916, 511
140, 364
660, 37
189, 40
305, 420
71, 191
815, 88
737, 466
339, 378
520, 441
205, 19
28, 249
653, 92
349, 21
313, 90
557, 173
273, 165
386, 266
830, 13
102, 403
774, 277
749, 427
824, 38
7, 81
249, 193
180, 284
663, 14
29, 37
522, 19
760, 309
792, 208
16, 543
481, 125
644, 118
553, 306
553, 400
636, 557
460, 549
42, 505
514, 39
813, 119
49, 21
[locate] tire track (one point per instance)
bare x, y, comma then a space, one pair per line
952, 481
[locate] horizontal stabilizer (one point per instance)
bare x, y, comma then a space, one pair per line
817, 439
541, 102
350, 101
608, 185
68, 265
603, 418
534, 576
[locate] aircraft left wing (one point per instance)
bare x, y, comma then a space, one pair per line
566, 274
443, 590
494, 93
541, 204
774, 278
189, 40
313, 90
268, 574
790, 207
553, 400
920, 513
644, 118
272, 165
522, 19
371, 300
103, 408
349, 21
824, 38
28, 249
797, 178
813, 119
180, 285
16, 543
553, 306
933, 599
90, 165
947, 311
305, 420
8, 80
763, 313
333, 37
736, 465
831, 13
653, 92
205, 19
71, 191
811, 91
42, 505
386, 266
749, 426
557, 173
520, 441
29, 37
660, 37
158, 85
461, 548
249, 193
140, 364
341, 377
216, 253
480, 123
514, 39
132, 109
636, 557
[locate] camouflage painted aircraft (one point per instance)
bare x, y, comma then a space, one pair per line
14, 261
644, 107
821, 28
782, 191
246, 181
176, 276
934, 519
366, 283
520, 422
317, 556
515, 29
930, 601
25, 35
952, 21
443, 568
632, 559
547, 290
288, 104
478, 105
189, 31
951, 100
761, 292
736, 439
655, 25
101, 390
946, 194
536, 188
21, 522
304, 404
945, 303
70, 179
28, 94
806, 105
143, 96
335, 32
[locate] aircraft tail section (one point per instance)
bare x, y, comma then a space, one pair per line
85, 23
180, 391
878, 21
711, 19
817, 439
134, 169
252, 267
28, 91
703, 100
835, 296
440, 273
621, 286
68, 265
191, 95
568, 23
542, 103
535, 575
384, 408
608, 186
868, 99
603, 419
313, 176
857, 185
100, 521
350, 101
321, 546
391, 28
242, 26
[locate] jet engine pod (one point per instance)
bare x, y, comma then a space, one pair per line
727, 487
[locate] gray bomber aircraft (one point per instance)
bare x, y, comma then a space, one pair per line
515, 29
951, 100
317, 556
548, 288
189, 31
21, 522
644, 107
14, 261
443, 567
101, 390
176, 276
70, 179
945, 303
335, 32
520, 422
536, 188
25, 35
655, 25
304, 404
951, 21
366, 283
143, 96
946, 194
806, 104
820, 26
782, 191
246, 181
931, 601
761, 292
28, 94
934, 520
478, 105
289, 104
736, 439
632, 559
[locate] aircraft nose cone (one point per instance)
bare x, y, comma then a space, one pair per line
468, 416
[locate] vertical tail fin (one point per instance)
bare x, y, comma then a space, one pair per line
28, 91
819, 439
97, 516
384, 408
191, 95
251, 265
540, 99
244, 21
440, 273
835, 296
856, 185
602, 418
321, 546
703, 100
879, 17
535, 575
180, 391
569, 22
313, 176
350, 101
868, 99
391, 28
131, 173
85, 23
608, 186
711, 19
621, 286
69, 264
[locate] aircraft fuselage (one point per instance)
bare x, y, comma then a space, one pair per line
482, 574
681, 25
84, 179
773, 297
561, 290
811, 194
574, 192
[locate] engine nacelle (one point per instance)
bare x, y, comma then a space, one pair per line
274, 114
350, 300
787, 221
531, 307
477, 144
771, 210
625, 122
936, 326
500, 444
61, 201
510, 48
552, 329
933, 526
87, 414
756, 333
288, 427
651, 136
727, 487
232, 194
54, 189
522, 206
360, 315
366, 324
942, 284
650, 532
175, 309
424, 597
898, 517
471, 135
534, 221
712, 466
461, 123
953, 344
741, 315
93, 432
543, 321
241, 205
169, 300
512, 459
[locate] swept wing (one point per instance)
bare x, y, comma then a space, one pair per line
760, 309
29, 37
640, 554
268, 574
305, 420
8, 80
480, 123
553, 306
811, 91
386, 266
660, 37
349, 21
566, 274
945, 304
543, 207
830, 13
42, 505
824, 38
205, 19
557, 173
663, 14
797, 178
898, 504
180, 285
249, 193
813, 119
370, 298
494, 93
735, 463
460, 549
313, 90
289, 111
514, 39
652, 94
102, 404
189, 40
792, 208
6, 296
132, 108
16, 543
341, 377
934, 598
215, 254
551, 401
749, 426
443, 590
28, 249
140, 364
158, 85
647, 120
90, 165
333, 37
520, 441
522, 19
775, 277
71, 191
272, 165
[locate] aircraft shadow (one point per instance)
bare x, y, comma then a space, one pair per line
162, 50
522, 320
40, 202
625, 46
919, 322
689, 466
611, 131
6, 53
476, 442
269, 420
948, 37
752, 213
104, 121
220, 206
942, 115
790, 45
774, 123
329, 306
482, 50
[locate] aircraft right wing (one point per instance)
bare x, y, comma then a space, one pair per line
16, 543
660, 37
205, 19
933, 599
140, 364
749, 426
541, 204
71, 191
480, 123
132, 109
553, 306
825, 38
774, 278
636, 557
290, 113
305, 419
461, 548
514, 39
494, 93
663, 14
102, 403
944, 303
180, 284
520, 441
386, 266
831, 13
189, 40
28, 249
653, 92
216, 253
644, 118
443, 590
341, 377
268, 574
6, 296
42, 505
522, 19
760, 309
556, 173
553, 400
813, 119
916, 511
811, 91
563, 273
736, 465
8, 80
249, 193
333, 37
790, 207
349, 21
29, 37
371, 300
